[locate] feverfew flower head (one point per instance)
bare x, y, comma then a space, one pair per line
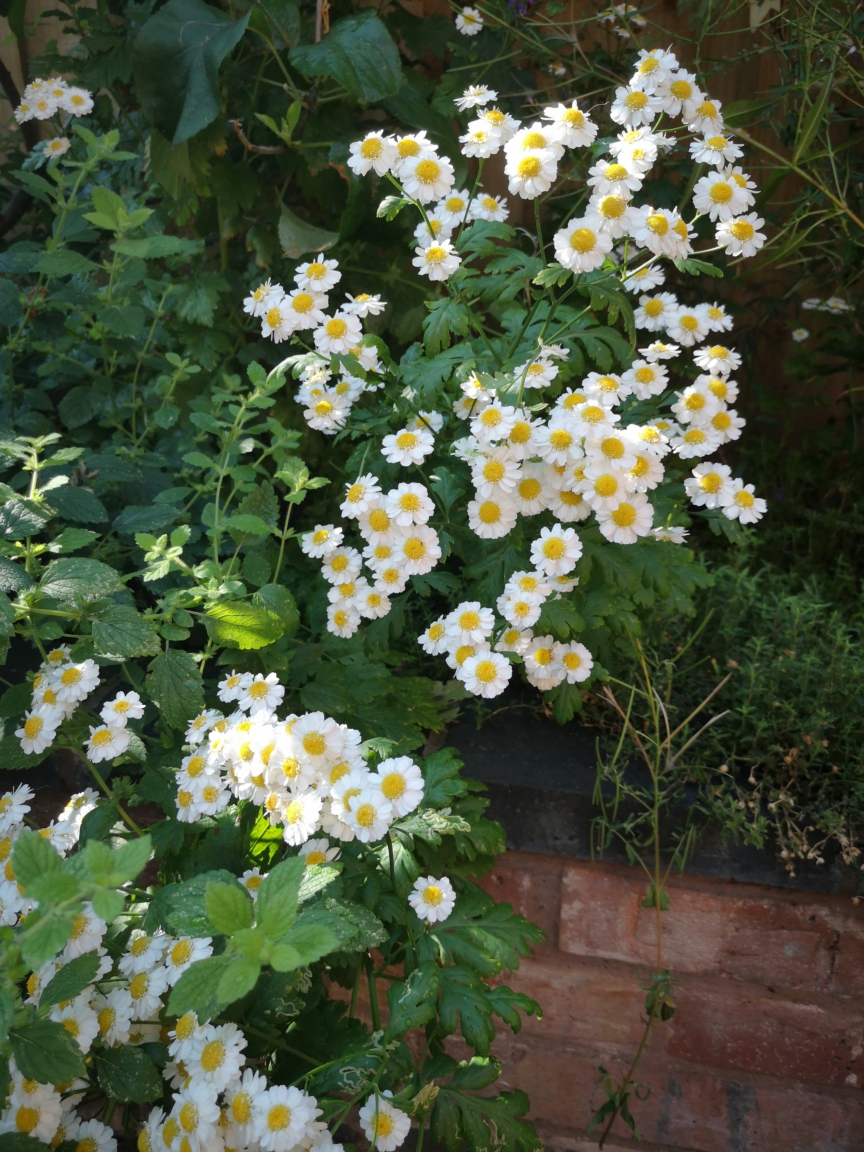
582, 245
125, 706
407, 447
427, 176
474, 96
106, 743
321, 541
486, 674
570, 126
433, 899
400, 782
375, 152
438, 260
740, 236
318, 275
469, 22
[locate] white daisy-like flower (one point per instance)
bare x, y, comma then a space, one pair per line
486, 674
36, 1114
376, 152
498, 122
470, 623
480, 141
645, 279
717, 150
743, 504
453, 209
575, 661
631, 519
125, 706
78, 1018
195, 1115
710, 485
612, 214
582, 245
531, 173
632, 107
370, 814
320, 542
57, 147
106, 743
707, 118
655, 312
360, 496
437, 260
426, 177
469, 22
301, 816
688, 326
278, 322
39, 729
540, 666
570, 126
719, 197
514, 640
318, 852
318, 276
680, 95
343, 620
260, 299
717, 358
76, 681
475, 96
374, 603
490, 519
363, 305
262, 694
433, 899
338, 333
401, 782
434, 640
491, 208
183, 953
217, 1055
799, 335
741, 236
143, 953
341, 565
233, 687
646, 380
409, 504
418, 551
146, 989
609, 177
659, 350
556, 550
654, 67
76, 101
407, 447
113, 1015
303, 308
695, 441
241, 1101
696, 404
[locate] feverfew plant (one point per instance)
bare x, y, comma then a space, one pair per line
505, 436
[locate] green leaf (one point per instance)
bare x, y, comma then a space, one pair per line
412, 1002
7, 1015
245, 524
483, 935
120, 632
65, 262
77, 581
238, 979
127, 1073
46, 940
359, 54
44, 1051
197, 990
278, 898
553, 275
79, 405
174, 684
111, 869
284, 18
78, 505
71, 980
240, 624
483, 1122
176, 58
32, 858
108, 904
741, 112
22, 518
813, 121
441, 774
310, 942
476, 1074
278, 600
315, 878
228, 907
447, 318
390, 207
464, 1004
72, 539
13, 577
182, 906
298, 237
126, 321
18, 1142
153, 248
698, 268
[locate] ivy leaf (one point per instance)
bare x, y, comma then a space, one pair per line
359, 53
174, 685
446, 318
128, 1074
44, 1051
120, 632
243, 625
483, 1122
483, 935
72, 979
412, 1002
176, 58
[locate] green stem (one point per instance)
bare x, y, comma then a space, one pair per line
373, 993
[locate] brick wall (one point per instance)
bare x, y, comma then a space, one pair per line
766, 1050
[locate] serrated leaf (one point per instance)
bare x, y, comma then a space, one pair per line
77, 581
197, 990
358, 53
120, 632
127, 1073
238, 979
278, 898
32, 858
412, 1002
243, 625
698, 268
182, 906
71, 980
484, 936
228, 907
44, 1051
174, 684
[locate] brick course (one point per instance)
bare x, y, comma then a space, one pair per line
766, 1050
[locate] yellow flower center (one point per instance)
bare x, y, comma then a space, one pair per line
636, 101
414, 548
533, 140
33, 727
583, 240
379, 521
454, 204
529, 167
658, 224
339, 563
616, 172
717, 143
493, 471
365, 815
293, 812
407, 146
710, 482
644, 375
314, 744
106, 1020
188, 1116
572, 661
336, 328
681, 89
485, 672
435, 631
624, 515
139, 985
574, 118
640, 468
521, 433
721, 192
560, 439
718, 352
241, 1108
689, 323
694, 436
612, 447
302, 303
427, 171
489, 512
742, 230
393, 786
707, 109
490, 203
722, 422
273, 317
431, 895
101, 736
593, 414
530, 488
744, 499
495, 116
370, 149
26, 1119
543, 656
554, 548
213, 1056
315, 858
186, 1025
181, 952
606, 486
405, 441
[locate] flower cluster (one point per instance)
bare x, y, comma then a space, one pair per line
399, 543
622, 18
834, 304
306, 772
45, 99
59, 688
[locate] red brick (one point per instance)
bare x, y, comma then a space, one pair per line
533, 886
847, 977
747, 932
726, 1028
688, 1109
